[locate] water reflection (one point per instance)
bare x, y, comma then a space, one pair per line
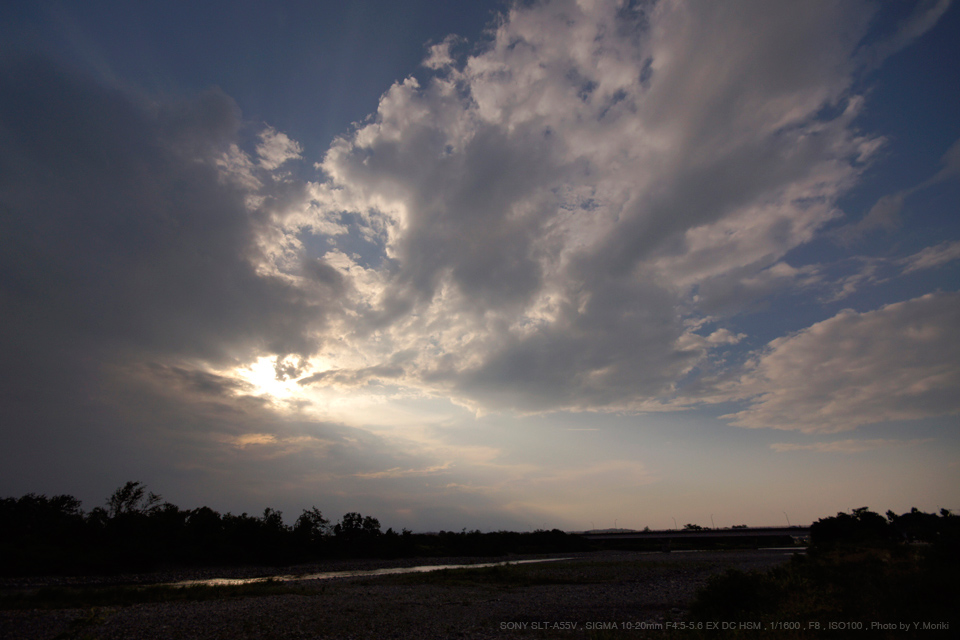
218, 582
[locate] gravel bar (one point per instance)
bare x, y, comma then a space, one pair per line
641, 588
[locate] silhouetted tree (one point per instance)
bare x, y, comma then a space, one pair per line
356, 534
40, 534
350, 526
204, 524
859, 527
136, 530
204, 539
311, 527
273, 520
371, 526
132, 498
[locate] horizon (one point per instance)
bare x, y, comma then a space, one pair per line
510, 266
290, 519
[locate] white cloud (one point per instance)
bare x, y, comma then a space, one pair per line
551, 211
725, 336
931, 257
899, 362
439, 54
276, 148
845, 446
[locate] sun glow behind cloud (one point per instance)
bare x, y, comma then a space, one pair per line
599, 267
262, 376
548, 254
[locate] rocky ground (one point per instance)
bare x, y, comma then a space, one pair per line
554, 599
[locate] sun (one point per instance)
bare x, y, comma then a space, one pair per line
262, 375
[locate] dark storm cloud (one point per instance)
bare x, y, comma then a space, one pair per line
122, 240
200, 382
118, 229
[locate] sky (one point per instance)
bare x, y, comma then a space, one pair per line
483, 265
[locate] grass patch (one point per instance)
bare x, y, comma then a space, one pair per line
122, 596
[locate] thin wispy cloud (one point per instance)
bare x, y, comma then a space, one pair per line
846, 446
932, 257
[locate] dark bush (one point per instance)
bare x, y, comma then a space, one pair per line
859, 567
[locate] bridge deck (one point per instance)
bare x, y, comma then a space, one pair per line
756, 532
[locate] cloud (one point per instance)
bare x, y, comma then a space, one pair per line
745, 287
569, 218
352, 377
845, 446
276, 148
867, 271
121, 228
899, 362
931, 257
439, 54
398, 472
873, 271
925, 15
127, 239
552, 209
885, 214
836, 281
950, 169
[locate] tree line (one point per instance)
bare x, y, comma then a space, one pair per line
136, 530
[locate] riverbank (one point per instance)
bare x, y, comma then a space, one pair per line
494, 602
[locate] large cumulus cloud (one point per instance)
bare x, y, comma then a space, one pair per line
559, 212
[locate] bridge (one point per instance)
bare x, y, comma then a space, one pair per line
759, 535
748, 532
